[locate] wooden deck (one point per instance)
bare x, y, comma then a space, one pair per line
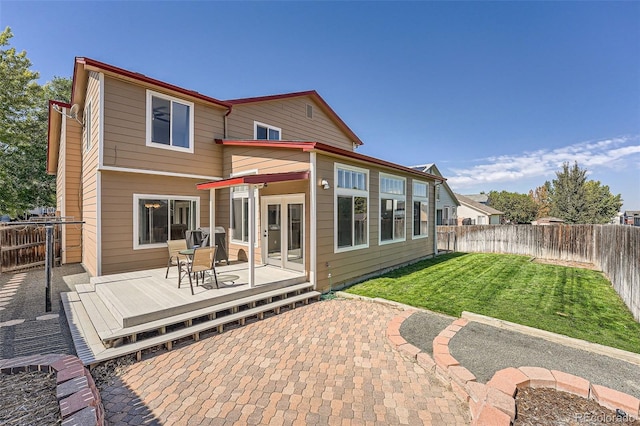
120, 314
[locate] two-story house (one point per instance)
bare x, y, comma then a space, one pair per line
140, 161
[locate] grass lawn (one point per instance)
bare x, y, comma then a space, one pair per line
575, 302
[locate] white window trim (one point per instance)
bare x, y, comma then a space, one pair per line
269, 127
241, 195
349, 192
149, 142
399, 197
421, 199
136, 199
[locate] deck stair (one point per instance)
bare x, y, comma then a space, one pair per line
99, 334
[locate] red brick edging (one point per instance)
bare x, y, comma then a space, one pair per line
494, 403
76, 391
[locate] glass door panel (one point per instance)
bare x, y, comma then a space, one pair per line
274, 234
295, 244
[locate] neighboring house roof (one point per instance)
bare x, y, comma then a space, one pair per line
328, 149
432, 169
478, 198
483, 208
549, 219
313, 95
632, 212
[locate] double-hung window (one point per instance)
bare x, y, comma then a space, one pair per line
169, 122
266, 132
420, 209
351, 207
392, 208
158, 218
240, 213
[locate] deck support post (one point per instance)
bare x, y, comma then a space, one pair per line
252, 235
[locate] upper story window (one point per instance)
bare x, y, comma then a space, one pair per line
87, 127
420, 209
169, 122
351, 208
392, 208
266, 132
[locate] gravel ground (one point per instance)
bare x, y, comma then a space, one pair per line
550, 407
473, 342
422, 327
29, 399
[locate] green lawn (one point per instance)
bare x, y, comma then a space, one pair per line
575, 302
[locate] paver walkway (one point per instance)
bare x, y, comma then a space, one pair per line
326, 363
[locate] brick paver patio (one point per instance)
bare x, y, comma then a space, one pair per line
326, 363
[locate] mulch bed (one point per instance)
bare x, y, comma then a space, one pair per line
554, 408
29, 399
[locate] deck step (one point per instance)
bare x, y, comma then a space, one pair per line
109, 336
101, 316
194, 330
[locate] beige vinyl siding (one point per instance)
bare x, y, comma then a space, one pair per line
125, 134
90, 178
348, 266
263, 160
118, 189
290, 115
68, 189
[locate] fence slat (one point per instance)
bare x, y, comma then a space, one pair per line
615, 250
23, 246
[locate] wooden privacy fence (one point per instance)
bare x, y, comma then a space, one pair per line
24, 246
615, 250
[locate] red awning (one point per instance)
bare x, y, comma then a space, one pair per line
255, 179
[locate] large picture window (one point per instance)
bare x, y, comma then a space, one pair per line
240, 213
169, 122
392, 208
158, 218
420, 209
352, 205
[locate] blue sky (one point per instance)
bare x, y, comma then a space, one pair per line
497, 94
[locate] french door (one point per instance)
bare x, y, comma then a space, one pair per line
282, 226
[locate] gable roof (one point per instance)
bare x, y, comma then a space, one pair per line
478, 198
313, 95
483, 208
432, 169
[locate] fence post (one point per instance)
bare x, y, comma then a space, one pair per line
48, 264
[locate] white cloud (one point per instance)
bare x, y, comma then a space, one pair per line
615, 153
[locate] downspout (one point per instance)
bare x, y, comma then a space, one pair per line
226, 126
313, 200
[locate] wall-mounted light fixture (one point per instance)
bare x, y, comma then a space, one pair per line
325, 184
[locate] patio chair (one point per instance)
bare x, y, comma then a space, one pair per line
175, 257
201, 263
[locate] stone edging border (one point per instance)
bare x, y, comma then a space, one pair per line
77, 394
494, 403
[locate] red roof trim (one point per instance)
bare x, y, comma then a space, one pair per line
312, 93
311, 146
51, 104
272, 97
255, 179
145, 79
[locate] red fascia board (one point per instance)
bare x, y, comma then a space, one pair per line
312, 93
51, 104
271, 97
255, 179
312, 146
143, 78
